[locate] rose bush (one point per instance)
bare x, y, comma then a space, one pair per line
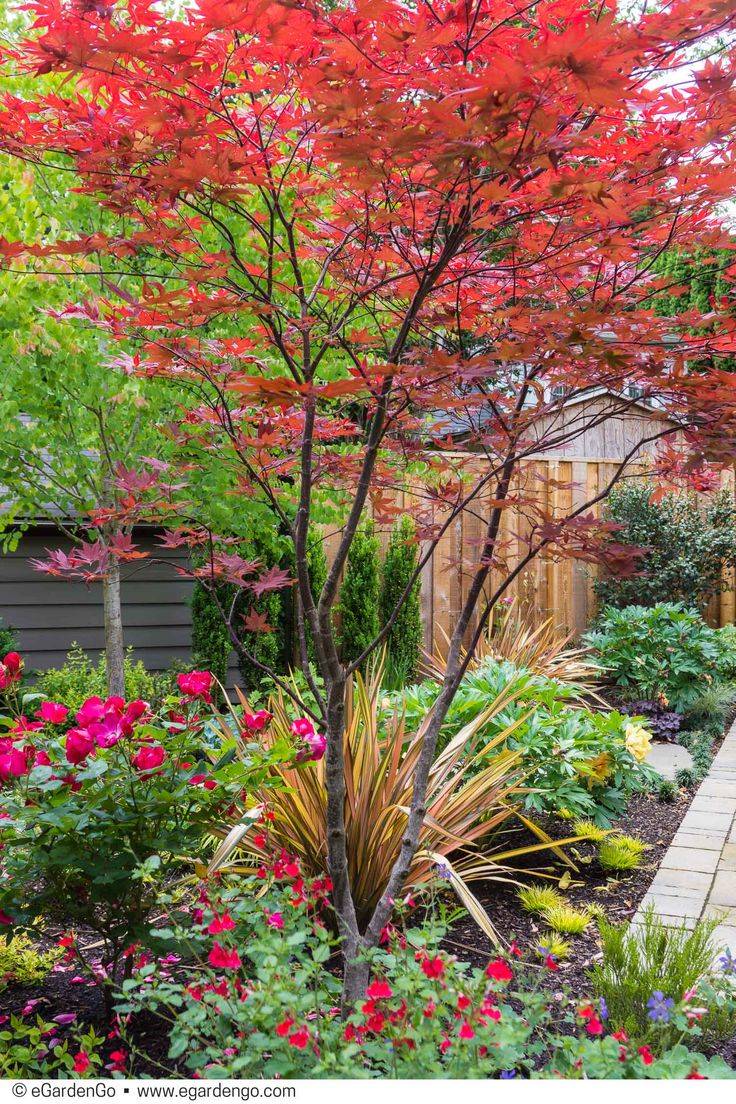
254, 999
101, 807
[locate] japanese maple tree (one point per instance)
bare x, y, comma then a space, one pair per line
376, 228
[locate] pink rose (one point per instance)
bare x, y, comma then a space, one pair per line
11, 667
79, 744
302, 726
313, 748
52, 712
92, 710
254, 722
148, 758
14, 764
196, 684
135, 709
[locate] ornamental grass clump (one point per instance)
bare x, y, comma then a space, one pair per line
621, 853
648, 970
475, 796
567, 920
540, 898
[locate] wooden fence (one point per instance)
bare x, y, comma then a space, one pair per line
550, 586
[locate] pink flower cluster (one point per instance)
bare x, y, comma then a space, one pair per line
11, 670
102, 724
196, 684
312, 744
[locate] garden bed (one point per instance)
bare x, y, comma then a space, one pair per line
651, 820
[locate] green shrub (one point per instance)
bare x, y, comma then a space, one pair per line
317, 563
404, 640
21, 963
713, 708
359, 594
667, 792
25, 1053
119, 800
648, 652
576, 759
8, 642
687, 548
726, 639
425, 1014
652, 958
688, 778
79, 678
212, 644
268, 648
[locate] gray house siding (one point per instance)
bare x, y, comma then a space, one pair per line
50, 614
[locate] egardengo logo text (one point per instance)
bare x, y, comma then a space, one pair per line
107, 1090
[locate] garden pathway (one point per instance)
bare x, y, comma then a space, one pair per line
697, 877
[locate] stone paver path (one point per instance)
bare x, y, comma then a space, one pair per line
697, 877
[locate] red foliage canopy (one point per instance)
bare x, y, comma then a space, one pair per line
364, 232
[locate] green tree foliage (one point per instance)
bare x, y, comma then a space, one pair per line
211, 641
359, 594
317, 561
687, 547
404, 639
8, 642
269, 647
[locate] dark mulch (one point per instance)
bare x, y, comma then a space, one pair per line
647, 818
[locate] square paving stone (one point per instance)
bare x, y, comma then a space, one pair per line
724, 889
687, 922
711, 787
711, 822
711, 804
704, 840
692, 858
728, 857
666, 905
691, 882
726, 916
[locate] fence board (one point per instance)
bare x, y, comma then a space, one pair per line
550, 585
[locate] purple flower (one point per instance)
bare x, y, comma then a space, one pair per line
728, 963
65, 1018
604, 1008
506, 1075
443, 871
660, 1007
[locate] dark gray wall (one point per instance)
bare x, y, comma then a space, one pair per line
49, 614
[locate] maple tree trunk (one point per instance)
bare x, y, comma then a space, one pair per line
354, 971
114, 646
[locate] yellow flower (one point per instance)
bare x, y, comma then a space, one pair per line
597, 770
638, 741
